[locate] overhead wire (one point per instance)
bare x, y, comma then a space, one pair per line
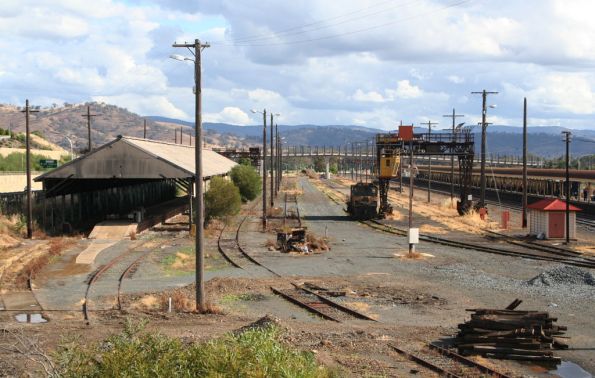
303, 30
321, 21
338, 35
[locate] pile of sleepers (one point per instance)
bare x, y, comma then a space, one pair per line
511, 334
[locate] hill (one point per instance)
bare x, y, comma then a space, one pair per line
67, 120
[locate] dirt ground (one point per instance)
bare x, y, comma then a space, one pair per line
415, 301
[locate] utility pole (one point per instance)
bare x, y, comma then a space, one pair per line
411, 245
145, 129
567, 136
278, 182
452, 157
28, 111
197, 46
429, 123
272, 168
484, 126
88, 115
264, 168
524, 223
181, 135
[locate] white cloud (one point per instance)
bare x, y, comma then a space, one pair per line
117, 51
405, 90
229, 114
371, 96
560, 93
455, 79
145, 105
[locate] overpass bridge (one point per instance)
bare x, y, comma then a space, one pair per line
365, 152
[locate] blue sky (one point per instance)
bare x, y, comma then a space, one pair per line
363, 62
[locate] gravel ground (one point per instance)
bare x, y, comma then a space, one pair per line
416, 301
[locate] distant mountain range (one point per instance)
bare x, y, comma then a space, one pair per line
60, 121
544, 141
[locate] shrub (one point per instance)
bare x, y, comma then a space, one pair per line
247, 180
255, 352
222, 199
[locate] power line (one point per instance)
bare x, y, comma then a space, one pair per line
321, 21
332, 36
302, 30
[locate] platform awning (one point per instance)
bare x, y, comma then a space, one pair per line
129, 158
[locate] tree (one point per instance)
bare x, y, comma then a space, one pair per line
245, 161
222, 199
247, 180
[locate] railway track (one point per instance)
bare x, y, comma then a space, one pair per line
309, 300
447, 363
544, 255
131, 259
531, 251
319, 304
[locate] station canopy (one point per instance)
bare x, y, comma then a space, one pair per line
128, 160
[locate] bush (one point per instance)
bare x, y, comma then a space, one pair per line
247, 180
222, 199
136, 353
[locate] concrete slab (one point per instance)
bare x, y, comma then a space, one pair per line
104, 235
90, 253
20, 300
113, 229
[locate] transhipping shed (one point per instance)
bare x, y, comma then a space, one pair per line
548, 217
122, 175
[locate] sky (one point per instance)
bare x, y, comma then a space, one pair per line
372, 63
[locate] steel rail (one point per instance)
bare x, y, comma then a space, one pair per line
222, 250
467, 361
303, 305
453, 243
425, 363
558, 256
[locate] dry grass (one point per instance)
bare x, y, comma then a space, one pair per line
274, 212
270, 243
30, 269
312, 174
317, 244
132, 235
182, 302
427, 228
214, 227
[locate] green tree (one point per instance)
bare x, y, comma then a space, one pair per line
245, 161
222, 199
247, 180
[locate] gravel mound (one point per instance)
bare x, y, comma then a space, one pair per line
563, 275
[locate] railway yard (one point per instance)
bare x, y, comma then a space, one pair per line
354, 297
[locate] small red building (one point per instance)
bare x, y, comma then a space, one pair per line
548, 217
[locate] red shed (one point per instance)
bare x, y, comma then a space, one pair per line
548, 217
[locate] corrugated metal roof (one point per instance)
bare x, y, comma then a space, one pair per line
183, 156
135, 158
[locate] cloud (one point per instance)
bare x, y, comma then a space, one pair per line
560, 92
405, 90
371, 96
145, 105
229, 114
455, 79
312, 61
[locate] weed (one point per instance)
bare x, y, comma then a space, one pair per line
135, 352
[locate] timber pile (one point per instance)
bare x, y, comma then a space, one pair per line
511, 334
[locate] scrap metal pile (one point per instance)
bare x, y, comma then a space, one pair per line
511, 334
